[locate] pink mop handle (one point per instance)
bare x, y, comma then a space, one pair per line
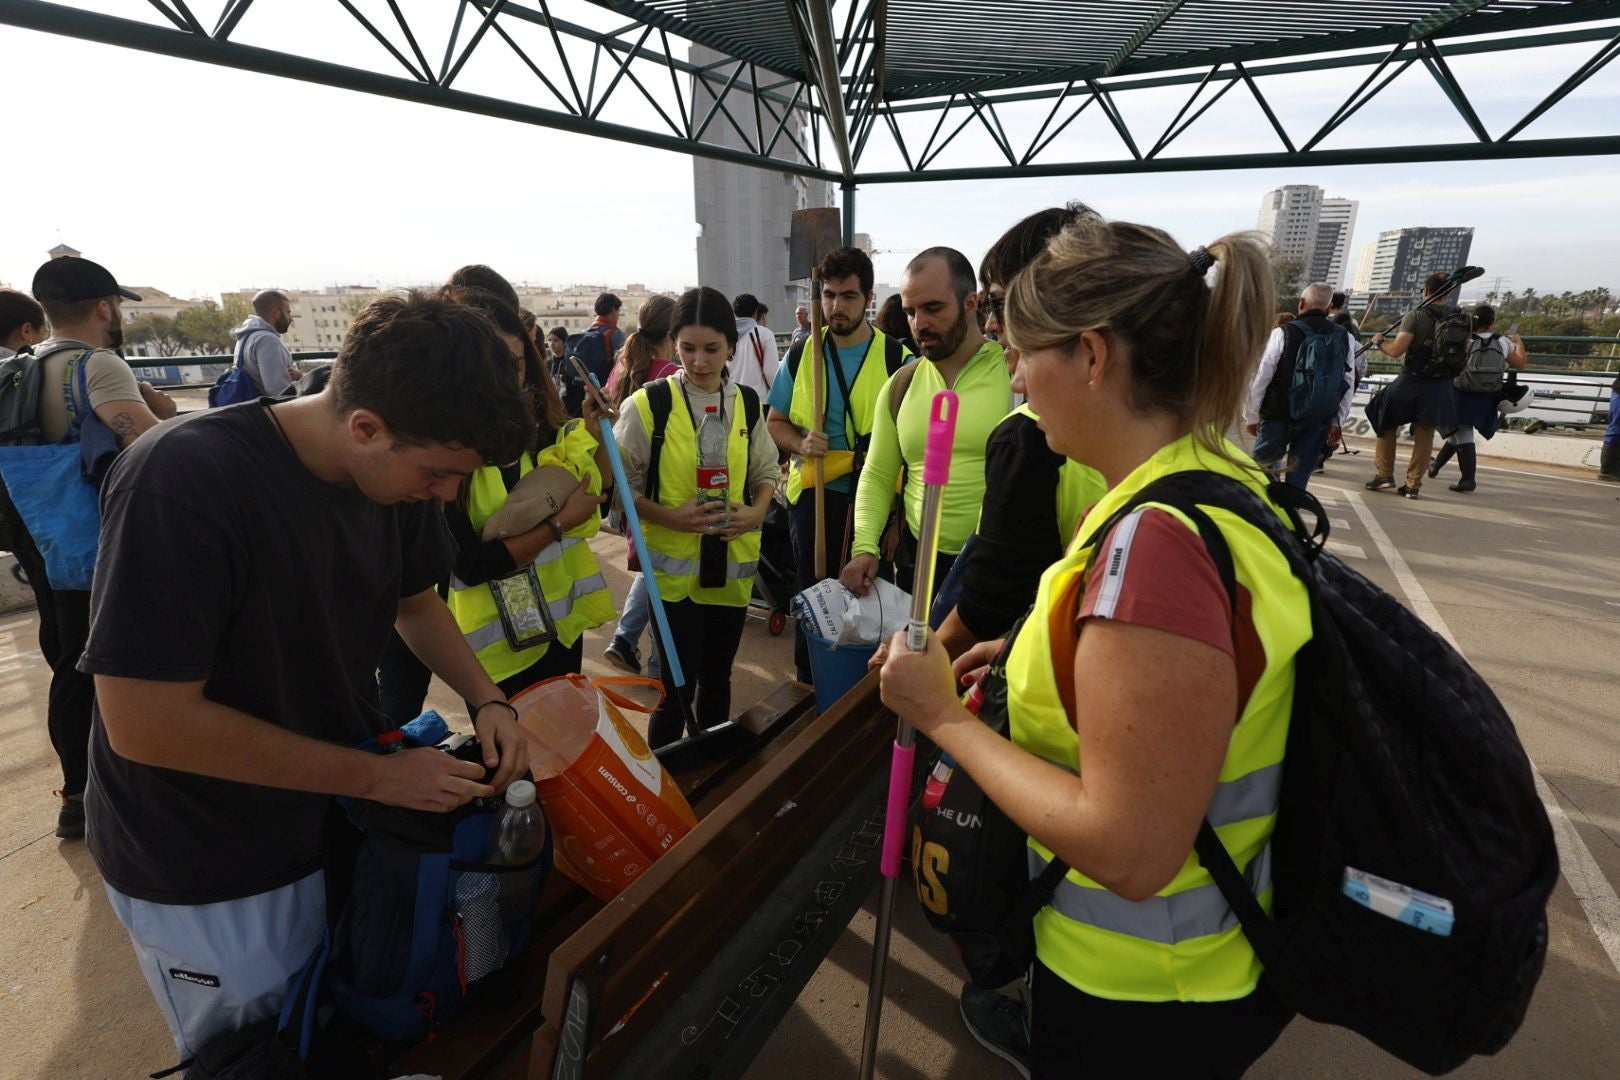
894, 821
936, 473
941, 439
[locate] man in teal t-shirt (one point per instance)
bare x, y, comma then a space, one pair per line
858, 362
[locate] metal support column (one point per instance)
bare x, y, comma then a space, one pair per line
849, 214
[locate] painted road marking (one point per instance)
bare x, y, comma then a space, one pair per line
1597, 897
1351, 551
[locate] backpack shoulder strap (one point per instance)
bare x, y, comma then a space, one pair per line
662, 401
894, 355
751, 407
899, 386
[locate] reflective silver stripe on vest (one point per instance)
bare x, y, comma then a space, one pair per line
1249, 796
548, 554
1167, 920
670, 566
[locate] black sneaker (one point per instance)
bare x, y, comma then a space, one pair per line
999, 1023
1380, 483
70, 819
623, 655
1408, 492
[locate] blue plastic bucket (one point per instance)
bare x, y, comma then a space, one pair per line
836, 668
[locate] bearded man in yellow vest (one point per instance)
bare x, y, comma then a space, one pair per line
859, 359
1142, 699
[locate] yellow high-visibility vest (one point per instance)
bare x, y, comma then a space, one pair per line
570, 578
675, 555
1184, 944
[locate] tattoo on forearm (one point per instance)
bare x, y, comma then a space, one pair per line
123, 425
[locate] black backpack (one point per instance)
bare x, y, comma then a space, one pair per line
1403, 765
1445, 353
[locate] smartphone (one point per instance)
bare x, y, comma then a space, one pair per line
1513, 331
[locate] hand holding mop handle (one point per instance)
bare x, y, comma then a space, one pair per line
936, 473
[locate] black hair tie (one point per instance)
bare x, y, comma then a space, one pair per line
1202, 260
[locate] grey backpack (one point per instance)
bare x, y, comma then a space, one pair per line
1485, 370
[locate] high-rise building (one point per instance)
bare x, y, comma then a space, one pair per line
1364, 265
1330, 256
1406, 256
1289, 216
745, 214
1309, 230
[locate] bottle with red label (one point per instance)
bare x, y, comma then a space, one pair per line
945, 768
714, 469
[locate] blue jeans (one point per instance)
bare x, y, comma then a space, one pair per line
1293, 449
634, 619
1612, 435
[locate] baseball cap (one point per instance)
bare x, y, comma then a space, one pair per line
71, 278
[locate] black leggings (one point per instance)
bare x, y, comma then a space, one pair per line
1074, 1034
706, 640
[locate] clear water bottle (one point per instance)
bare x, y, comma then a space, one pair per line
519, 832
714, 470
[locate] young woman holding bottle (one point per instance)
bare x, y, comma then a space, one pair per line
705, 552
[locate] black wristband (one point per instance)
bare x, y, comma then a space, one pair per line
507, 705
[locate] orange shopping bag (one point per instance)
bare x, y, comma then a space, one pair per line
612, 805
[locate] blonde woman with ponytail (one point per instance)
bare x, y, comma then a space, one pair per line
1138, 702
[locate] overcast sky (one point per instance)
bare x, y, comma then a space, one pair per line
197, 179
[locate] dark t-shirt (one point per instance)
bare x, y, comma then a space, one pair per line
1019, 535
224, 559
1420, 323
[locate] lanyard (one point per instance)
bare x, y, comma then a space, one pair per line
691, 414
830, 355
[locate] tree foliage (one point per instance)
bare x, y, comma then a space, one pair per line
206, 329
156, 332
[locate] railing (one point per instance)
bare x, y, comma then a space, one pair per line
1572, 389
167, 372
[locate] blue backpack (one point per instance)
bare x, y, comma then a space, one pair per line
1319, 374
428, 916
236, 385
54, 489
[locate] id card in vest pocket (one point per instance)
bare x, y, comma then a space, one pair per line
525, 615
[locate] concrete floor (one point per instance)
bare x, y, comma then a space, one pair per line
1524, 573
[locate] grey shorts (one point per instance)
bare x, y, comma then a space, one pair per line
216, 968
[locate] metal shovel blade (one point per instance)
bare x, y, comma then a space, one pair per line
815, 232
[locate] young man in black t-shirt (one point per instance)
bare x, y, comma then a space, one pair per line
253, 560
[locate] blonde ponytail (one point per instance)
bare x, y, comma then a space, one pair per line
1192, 350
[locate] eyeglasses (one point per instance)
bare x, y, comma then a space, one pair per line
992, 305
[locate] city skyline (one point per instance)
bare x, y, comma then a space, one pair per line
349, 189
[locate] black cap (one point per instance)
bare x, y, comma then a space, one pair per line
71, 278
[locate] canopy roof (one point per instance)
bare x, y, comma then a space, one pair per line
876, 91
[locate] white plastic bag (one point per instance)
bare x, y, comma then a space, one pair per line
838, 616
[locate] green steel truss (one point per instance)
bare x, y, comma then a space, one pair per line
876, 91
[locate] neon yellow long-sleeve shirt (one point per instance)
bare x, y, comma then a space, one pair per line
984, 389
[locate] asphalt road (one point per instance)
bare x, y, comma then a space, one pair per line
1524, 575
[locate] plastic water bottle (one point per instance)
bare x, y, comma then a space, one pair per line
714, 470
945, 768
519, 832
